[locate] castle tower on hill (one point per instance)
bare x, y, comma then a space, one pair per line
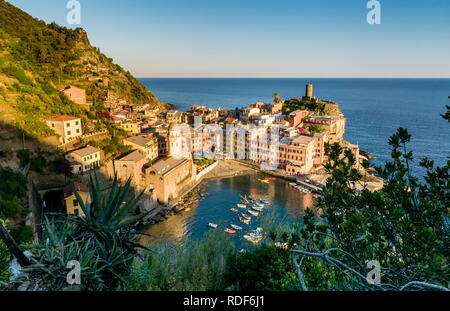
309, 90
309, 93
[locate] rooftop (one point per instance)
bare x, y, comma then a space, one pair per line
139, 140
68, 190
302, 140
164, 166
134, 156
86, 151
63, 118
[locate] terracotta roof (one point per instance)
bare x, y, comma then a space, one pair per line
63, 118
68, 190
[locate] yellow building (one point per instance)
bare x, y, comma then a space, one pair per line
131, 127
70, 201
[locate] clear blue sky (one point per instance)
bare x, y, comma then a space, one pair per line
262, 38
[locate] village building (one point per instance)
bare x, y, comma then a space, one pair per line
174, 116
169, 177
84, 159
147, 144
334, 126
130, 127
131, 166
66, 127
297, 155
71, 203
296, 117
76, 95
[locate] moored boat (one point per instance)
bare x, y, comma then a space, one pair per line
252, 239
244, 220
253, 213
211, 225
242, 206
234, 210
237, 228
229, 231
245, 216
264, 201
257, 208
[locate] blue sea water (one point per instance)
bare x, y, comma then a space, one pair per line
374, 108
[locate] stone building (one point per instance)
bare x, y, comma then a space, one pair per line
131, 166
147, 144
168, 178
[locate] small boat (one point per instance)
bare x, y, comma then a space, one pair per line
237, 228
271, 178
251, 198
245, 216
229, 231
264, 201
253, 213
306, 191
211, 225
252, 239
293, 184
259, 204
257, 208
234, 210
242, 206
244, 220
264, 181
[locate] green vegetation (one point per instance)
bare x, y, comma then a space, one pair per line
5, 257
104, 241
37, 59
190, 265
13, 193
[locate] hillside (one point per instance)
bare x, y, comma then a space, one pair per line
38, 59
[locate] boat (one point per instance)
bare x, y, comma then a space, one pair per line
264, 201
271, 178
257, 208
252, 199
252, 239
211, 225
293, 184
242, 206
306, 191
234, 210
229, 231
244, 220
245, 216
253, 213
259, 205
237, 228
264, 181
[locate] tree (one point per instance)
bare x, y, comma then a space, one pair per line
276, 98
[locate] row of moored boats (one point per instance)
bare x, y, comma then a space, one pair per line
248, 207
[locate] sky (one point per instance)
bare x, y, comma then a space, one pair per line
262, 38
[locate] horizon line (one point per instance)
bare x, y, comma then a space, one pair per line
393, 78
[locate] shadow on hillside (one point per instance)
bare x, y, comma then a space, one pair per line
47, 177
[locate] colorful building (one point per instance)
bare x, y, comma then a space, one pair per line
70, 201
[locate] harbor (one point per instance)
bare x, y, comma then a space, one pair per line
234, 203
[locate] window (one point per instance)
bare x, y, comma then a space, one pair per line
76, 212
68, 133
75, 203
78, 131
76, 123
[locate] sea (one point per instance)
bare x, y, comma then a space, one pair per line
374, 108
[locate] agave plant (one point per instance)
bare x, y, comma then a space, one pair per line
107, 214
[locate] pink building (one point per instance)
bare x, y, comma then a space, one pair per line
76, 95
297, 155
296, 117
319, 148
